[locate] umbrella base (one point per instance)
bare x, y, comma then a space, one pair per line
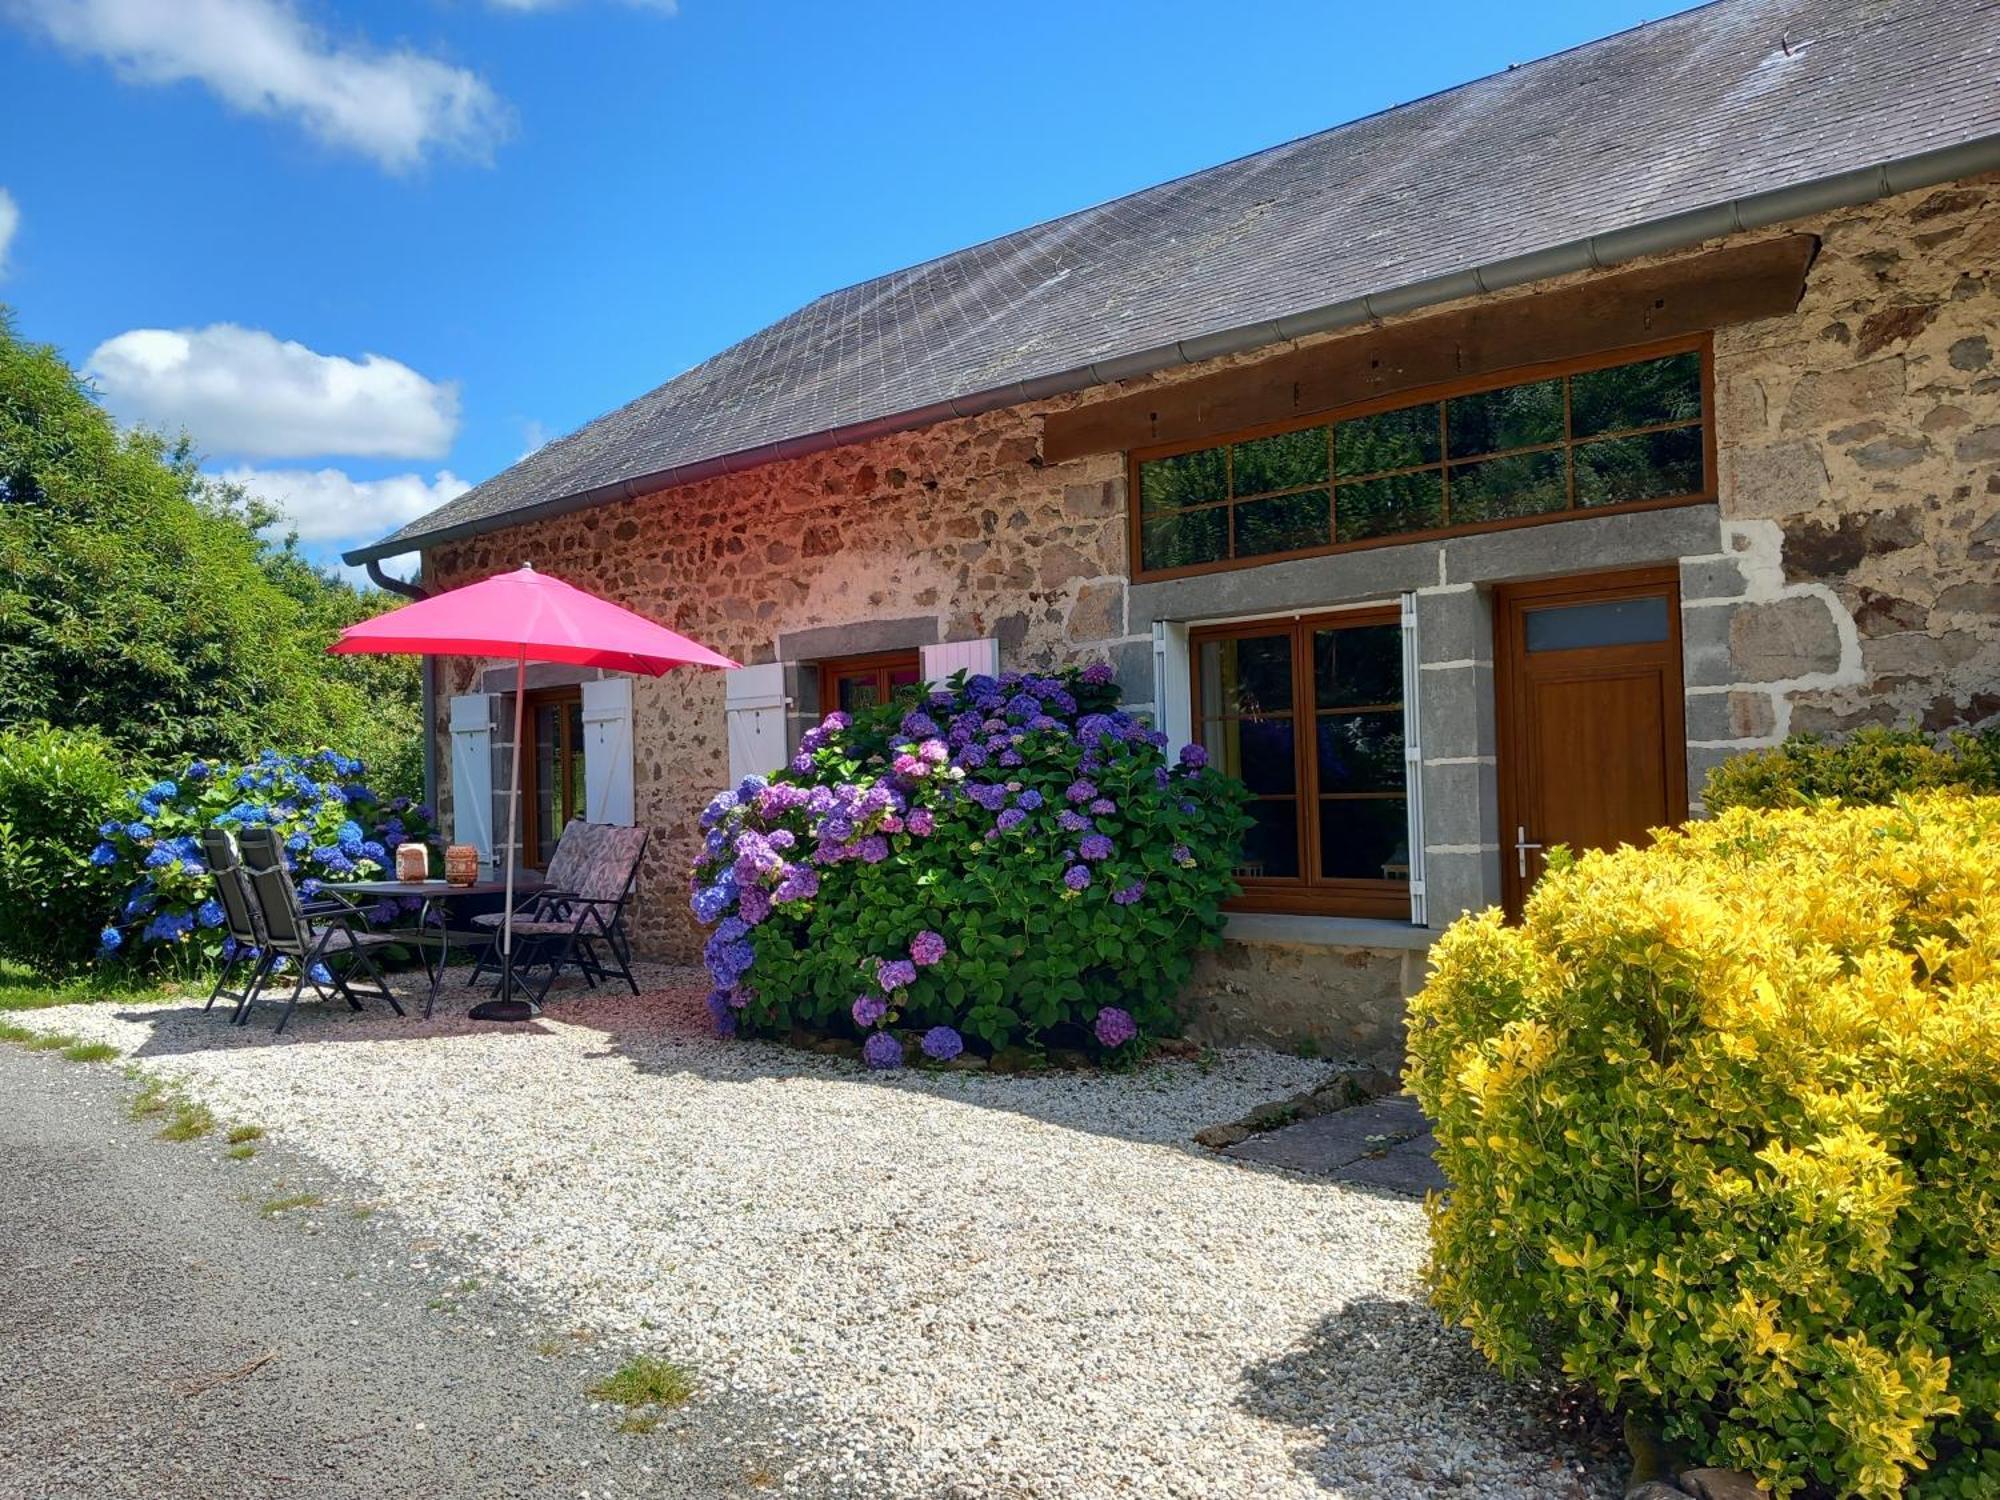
504, 1010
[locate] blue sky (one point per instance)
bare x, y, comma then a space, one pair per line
368, 251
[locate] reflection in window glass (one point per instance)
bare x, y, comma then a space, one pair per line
1651, 466
1403, 439
1284, 523
1183, 480
1648, 394
1615, 622
1515, 416
1186, 541
1271, 847
1331, 815
1361, 752
1358, 666
1383, 507
1364, 839
1499, 489
1623, 435
1247, 675
1289, 461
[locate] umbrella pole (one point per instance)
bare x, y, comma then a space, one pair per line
511, 853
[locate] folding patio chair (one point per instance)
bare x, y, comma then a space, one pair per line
309, 935
574, 846
239, 920
585, 925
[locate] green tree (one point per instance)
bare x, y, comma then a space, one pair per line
144, 600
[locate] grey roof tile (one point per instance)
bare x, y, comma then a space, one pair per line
1733, 99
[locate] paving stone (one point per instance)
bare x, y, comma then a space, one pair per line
1409, 1168
1327, 1143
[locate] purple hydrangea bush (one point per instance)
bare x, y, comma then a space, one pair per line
332, 824
1002, 860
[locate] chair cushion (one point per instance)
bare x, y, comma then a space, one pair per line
613, 856
345, 939
532, 928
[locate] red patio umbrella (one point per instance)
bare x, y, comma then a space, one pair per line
530, 617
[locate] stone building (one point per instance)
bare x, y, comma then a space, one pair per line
1538, 445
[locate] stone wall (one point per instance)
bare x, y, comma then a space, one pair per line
1856, 579
1859, 456
959, 525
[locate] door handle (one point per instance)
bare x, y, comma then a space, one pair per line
1521, 848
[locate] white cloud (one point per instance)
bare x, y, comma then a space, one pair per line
10, 220
534, 436
331, 506
263, 57
244, 391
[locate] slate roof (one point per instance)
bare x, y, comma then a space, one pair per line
1736, 98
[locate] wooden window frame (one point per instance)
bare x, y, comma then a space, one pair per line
882, 663
539, 698
1309, 893
1701, 343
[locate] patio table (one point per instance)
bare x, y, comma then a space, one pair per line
437, 895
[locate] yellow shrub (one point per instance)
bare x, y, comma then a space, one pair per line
1722, 1123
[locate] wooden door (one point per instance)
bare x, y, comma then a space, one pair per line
1593, 749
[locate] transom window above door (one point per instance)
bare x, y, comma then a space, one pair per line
853, 683
1309, 715
1571, 440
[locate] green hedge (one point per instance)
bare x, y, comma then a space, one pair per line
56, 787
1869, 768
1721, 1122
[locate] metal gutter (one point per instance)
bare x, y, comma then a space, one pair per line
427, 693
1594, 252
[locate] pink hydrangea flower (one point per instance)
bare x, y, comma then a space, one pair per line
926, 948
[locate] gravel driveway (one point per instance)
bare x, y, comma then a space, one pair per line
972, 1285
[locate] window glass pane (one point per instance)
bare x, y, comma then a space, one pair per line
1382, 507
1258, 752
1616, 622
1284, 462
1361, 752
1526, 484
1402, 439
1358, 664
1271, 847
856, 691
1246, 675
1185, 479
1652, 466
1364, 838
1642, 395
1516, 416
1285, 523
1184, 541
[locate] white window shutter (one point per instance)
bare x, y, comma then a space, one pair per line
472, 772
607, 751
973, 658
1173, 700
755, 701
1413, 757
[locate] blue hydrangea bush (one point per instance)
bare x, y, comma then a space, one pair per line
1007, 861
333, 828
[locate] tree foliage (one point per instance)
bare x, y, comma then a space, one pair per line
144, 600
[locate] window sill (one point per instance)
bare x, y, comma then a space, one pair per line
1324, 932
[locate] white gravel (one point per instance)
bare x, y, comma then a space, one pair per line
984, 1286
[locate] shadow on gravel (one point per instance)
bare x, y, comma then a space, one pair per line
665, 1032
1398, 1404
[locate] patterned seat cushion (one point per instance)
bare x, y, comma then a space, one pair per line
343, 939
